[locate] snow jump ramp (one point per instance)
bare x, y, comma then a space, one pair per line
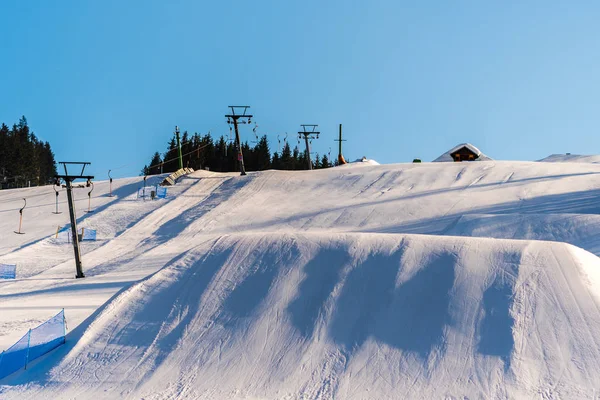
344, 316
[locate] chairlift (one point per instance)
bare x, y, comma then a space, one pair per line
255, 134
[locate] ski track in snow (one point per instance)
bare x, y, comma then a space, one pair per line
325, 284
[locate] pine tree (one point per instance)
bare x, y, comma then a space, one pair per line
249, 157
286, 160
317, 162
155, 164
296, 159
276, 162
262, 154
325, 162
24, 159
171, 161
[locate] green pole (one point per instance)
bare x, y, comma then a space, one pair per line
179, 148
340, 140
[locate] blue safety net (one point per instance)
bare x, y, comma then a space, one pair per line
15, 357
160, 192
8, 271
88, 234
85, 234
34, 344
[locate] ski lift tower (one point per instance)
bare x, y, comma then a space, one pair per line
308, 132
69, 178
233, 119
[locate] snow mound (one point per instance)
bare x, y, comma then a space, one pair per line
568, 157
365, 161
341, 316
446, 157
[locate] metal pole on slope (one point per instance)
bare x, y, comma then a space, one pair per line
233, 119
73, 217
308, 131
110, 182
56, 191
179, 147
69, 186
341, 159
21, 218
90, 196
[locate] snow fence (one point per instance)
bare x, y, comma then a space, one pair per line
8, 271
34, 344
64, 235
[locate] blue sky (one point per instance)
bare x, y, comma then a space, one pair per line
107, 81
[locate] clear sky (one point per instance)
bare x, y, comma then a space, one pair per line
107, 81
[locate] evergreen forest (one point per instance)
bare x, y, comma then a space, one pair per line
203, 152
24, 159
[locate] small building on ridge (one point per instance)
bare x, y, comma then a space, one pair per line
462, 152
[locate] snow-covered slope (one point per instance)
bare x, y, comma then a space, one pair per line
342, 316
571, 158
313, 284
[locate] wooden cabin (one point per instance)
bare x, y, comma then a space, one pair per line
464, 154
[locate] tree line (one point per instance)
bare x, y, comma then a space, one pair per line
203, 152
24, 159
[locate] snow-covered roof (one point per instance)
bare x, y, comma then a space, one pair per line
446, 157
365, 160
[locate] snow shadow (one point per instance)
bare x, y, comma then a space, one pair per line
224, 192
495, 330
68, 286
367, 292
144, 327
322, 274
254, 288
177, 308
583, 202
420, 310
119, 193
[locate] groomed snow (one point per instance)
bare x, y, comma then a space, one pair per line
391, 281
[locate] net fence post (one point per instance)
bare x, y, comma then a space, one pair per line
28, 345
64, 326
